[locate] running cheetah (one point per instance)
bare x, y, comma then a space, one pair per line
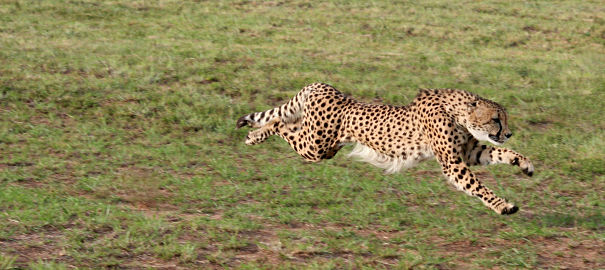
443, 123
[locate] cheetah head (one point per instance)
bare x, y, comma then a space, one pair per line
487, 121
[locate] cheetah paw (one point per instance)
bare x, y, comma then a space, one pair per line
255, 137
250, 141
527, 167
509, 209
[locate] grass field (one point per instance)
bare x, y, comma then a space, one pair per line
118, 146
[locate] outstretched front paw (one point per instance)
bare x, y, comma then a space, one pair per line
500, 205
509, 209
527, 167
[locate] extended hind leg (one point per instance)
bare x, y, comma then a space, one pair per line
272, 127
307, 122
260, 135
299, 138
307, 143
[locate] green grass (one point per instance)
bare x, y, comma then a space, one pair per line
118, 147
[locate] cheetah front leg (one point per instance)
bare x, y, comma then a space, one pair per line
477, 153
461, 176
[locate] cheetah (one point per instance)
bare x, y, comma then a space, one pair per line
443, 123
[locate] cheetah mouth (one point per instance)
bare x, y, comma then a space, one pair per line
496, 139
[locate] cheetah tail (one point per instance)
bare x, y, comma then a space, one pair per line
243, 121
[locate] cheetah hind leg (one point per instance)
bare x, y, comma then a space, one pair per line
261, 134
275, 126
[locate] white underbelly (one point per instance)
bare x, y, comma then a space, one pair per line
389, 163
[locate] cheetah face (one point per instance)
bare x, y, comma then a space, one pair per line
488, 121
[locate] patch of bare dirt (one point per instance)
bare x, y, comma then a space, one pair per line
146, 261
16, 164
44, 245
28, 183
555, 252
209, 80
541, 125
565, 253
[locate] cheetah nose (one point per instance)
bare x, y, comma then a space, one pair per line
508, 135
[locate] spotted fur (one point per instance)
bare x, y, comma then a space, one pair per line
443, 123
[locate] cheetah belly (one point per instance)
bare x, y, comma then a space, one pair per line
391, 164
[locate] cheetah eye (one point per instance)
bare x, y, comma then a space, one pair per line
497, 120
